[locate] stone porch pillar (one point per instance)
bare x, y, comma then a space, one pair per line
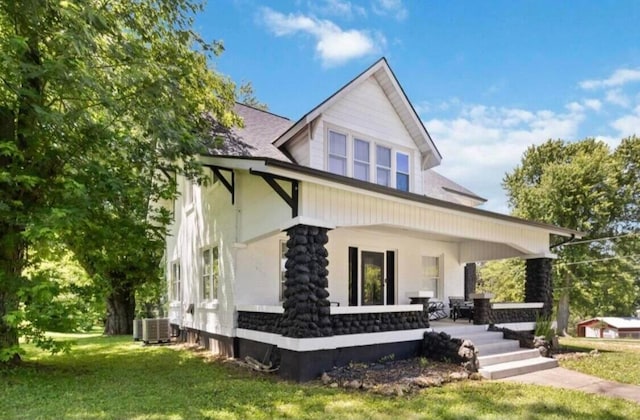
470, 280
306, 304
538, 286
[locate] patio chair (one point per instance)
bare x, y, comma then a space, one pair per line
454, 302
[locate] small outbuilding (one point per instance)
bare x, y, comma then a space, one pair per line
610, 327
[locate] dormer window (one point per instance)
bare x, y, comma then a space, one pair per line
337, 153
361, 159
383, 166
402, 171
358, 157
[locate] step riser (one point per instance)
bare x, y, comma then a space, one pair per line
508, 357
497, 348
497, 373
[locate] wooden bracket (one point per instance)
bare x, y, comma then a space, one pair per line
229, 185
290, 199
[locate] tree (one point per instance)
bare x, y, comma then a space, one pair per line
574, 185
93, 85
246, 95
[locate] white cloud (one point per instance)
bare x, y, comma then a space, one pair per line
482, 143
394, 8
594, 104
616, 97
628, 124
619, 77
344, 9
333, 44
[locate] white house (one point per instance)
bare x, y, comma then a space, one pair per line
351, 186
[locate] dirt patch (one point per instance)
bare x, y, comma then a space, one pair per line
396, 377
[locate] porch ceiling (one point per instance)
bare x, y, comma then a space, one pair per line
470, 250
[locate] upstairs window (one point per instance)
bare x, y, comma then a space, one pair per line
337, 153
383, 165
361, 159
402, 171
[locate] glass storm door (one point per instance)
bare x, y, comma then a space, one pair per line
372, 275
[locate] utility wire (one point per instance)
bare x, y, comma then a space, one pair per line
600, 259
600, 239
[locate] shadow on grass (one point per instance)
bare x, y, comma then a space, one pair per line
115, 378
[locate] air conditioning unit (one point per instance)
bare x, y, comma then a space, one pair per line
155, 330
137, 329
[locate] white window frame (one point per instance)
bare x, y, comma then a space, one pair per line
332, 154
350, 157
398, 171
175, 274
362, 162
433, 281
388, 169
209, 273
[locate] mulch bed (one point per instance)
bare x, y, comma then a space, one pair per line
396, 377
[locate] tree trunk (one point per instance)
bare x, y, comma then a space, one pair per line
121, 306
11, 262
563, 305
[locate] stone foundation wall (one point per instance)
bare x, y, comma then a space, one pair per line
501, 316
341, 324
260, 321
378, 322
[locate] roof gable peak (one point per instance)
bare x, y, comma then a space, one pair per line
384, 76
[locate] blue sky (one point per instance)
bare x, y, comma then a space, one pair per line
487, 78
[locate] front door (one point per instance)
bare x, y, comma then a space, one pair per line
372, 275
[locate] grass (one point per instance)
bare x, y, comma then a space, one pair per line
115, 378
617, 360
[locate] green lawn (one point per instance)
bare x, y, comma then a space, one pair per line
617, 360
115, 378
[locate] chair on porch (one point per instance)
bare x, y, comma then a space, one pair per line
454, 301
459, 308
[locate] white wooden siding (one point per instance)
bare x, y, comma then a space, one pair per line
299, 148
262, 211
208, 221
347, 208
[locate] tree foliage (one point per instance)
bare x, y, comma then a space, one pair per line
95, 97
584, 186
247, 96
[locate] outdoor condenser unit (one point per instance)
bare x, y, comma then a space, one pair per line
137, 329
155, 330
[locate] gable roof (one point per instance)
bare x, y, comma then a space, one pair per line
441, 187
616, 322
254, 138
387, 80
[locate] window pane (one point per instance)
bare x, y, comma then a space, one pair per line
383, 156
402, 182
402, 163
338, 165
361, 150
337, 144
361, 171
215, 272
384, 177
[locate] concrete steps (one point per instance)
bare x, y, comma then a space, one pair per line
499, 358
517, 367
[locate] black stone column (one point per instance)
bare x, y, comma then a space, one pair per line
306, 305
482, 308
538, 286
470, 279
